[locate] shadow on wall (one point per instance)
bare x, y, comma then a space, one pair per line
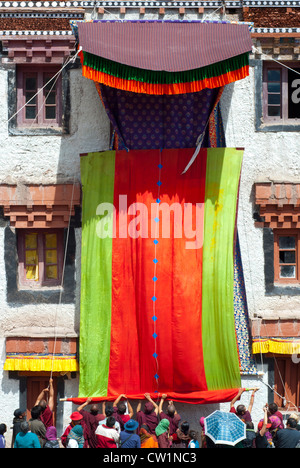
225, 105
88, 130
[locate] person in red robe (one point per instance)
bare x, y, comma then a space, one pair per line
91, 419
120, 411
170, 414
149, 416
47, 407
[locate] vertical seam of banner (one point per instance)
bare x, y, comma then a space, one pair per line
154, 298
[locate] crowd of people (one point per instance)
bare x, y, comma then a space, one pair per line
153, 425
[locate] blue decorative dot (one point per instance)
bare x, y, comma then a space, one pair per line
154, 355
154, 298
160, 166
155, 260
154, 335
154, 318
156, 220
156, 376
157, 200
155, 241
154, 278
159, 182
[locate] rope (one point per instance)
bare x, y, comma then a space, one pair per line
62, 280
70, 59
253, 296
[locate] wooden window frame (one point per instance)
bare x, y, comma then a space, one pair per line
283, 119
285, 233
42, 281
38, 71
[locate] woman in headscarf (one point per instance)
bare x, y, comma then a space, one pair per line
149, 415
147, 441
181, 438
51, 438
162, 434
76, 433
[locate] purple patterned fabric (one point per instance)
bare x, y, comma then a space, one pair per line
145, 121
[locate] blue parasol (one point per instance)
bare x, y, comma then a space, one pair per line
224, 428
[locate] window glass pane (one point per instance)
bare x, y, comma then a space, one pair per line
31, 257
287, 242
51, 256
51, 241
50, 112
30, 83
274, 87
30, 112
274, 111
274, 99
32, 272
288, 271
30, 97
274, 75
49, 82
287, 256
51, 272
31, 241
50, 98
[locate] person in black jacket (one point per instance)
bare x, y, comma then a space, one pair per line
19, 417
288, 437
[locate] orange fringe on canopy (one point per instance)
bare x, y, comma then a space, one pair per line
159, 89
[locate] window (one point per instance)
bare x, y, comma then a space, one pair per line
39, 96
281, 93
40, 257
286, 256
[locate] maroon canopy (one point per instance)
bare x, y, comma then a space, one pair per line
168, 46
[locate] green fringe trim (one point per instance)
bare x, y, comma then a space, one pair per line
127, 72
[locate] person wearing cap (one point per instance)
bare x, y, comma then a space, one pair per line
19, 417
128, 437
76, 418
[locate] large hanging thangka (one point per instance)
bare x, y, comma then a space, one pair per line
158, 243
157, 309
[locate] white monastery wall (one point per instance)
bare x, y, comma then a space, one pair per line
268, 157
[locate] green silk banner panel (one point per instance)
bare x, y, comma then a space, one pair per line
97, 176
218, 332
